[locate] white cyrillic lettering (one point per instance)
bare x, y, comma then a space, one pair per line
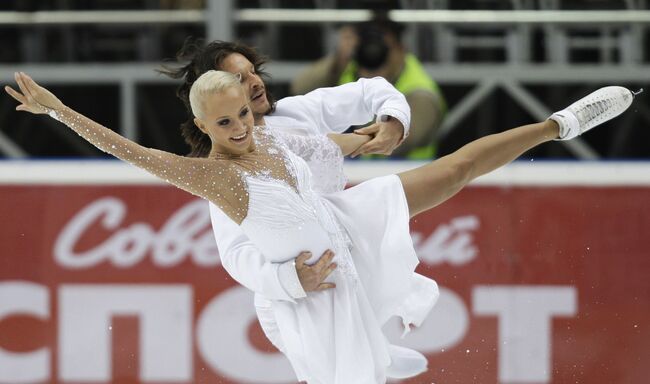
451, 243
165, 315
24, 298
222, 338
187, 233
525, 314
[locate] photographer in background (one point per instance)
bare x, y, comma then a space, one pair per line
372, 49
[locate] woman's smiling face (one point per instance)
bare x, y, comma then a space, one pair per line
228, 120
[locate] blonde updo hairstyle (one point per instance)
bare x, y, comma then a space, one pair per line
209, 83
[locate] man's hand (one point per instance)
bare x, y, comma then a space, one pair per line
387, 135
312, 276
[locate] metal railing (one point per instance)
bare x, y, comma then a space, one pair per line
220, 17
311, 16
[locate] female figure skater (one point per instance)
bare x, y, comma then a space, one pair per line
254, 175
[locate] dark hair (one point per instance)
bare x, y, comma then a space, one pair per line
200, 58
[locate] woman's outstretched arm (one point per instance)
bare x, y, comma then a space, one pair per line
38, 100
186, 173
429, 185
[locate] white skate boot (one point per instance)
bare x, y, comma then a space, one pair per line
592, 110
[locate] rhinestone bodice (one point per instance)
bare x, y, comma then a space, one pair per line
267, 191
221, 179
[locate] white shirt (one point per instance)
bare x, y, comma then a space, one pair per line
323, 111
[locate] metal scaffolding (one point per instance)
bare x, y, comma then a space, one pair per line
618, 36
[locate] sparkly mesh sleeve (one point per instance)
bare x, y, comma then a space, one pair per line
322, 155
206, 178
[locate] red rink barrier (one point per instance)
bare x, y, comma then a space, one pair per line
107, 276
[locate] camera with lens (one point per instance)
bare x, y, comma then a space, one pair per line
372, 49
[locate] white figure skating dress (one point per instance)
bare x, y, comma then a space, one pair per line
335, 336
332, 336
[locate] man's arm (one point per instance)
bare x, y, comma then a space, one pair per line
335, 109
426, 116
275, 281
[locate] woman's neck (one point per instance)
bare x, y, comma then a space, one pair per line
218, 153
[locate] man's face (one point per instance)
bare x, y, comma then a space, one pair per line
251, 82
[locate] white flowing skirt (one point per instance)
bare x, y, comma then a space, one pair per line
335, 336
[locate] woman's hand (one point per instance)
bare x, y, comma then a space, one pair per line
34, 98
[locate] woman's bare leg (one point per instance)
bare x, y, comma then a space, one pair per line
429, 185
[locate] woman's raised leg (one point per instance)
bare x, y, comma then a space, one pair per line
429, 185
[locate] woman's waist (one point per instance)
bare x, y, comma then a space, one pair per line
280, 244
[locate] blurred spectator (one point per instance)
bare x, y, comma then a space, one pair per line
375, 49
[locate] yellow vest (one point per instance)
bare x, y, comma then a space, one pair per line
413, 77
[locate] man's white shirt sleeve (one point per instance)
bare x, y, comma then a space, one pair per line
247, 265
335, 109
